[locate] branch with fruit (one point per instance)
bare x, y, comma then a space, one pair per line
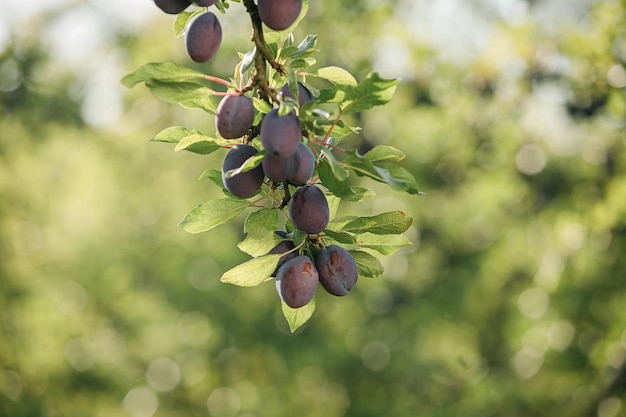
281, 123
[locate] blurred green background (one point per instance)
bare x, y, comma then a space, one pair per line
511, 302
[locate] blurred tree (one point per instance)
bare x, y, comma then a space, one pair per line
510, 303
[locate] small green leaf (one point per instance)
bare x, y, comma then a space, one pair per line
166, 71
253, 272
389, 223
337, 170
211, 214
368, 265
260, 227
181, 21
384, 153
306, 46
341, 237
174, 134
214, 175
187, 94
296, 317
395, 176
372, 91
261, 105
250, 163
385, 244
336, 75
247, 62
199, 144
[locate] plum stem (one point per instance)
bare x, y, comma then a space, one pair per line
263, 55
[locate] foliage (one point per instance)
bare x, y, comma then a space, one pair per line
509, 302
285, 64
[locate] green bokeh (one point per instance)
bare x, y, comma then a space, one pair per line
510, 302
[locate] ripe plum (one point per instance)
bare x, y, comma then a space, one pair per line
279, 14
296, 281
302, 166
337, 269
234, 116
172, 6
304, 95
203, 37
280, 135
309, 209
244, 184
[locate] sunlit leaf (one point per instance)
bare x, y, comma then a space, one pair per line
336, 75
368, 265
260, 227
211, 214
385, 244
199, 144
372, 91
296, 317
167, 71
180, 23
253, 272
174, 134
250, 163
186, 94
384, 153
392, 222
341, 237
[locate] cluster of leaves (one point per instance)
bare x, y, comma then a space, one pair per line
277, 60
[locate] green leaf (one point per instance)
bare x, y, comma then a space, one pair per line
395, 176
306, 46
260, 227
213, 213
199, 144
296, 317
174, 134
187, 94
384, 153
341, 237
389, 223
214, 175
337, 170
166, 71
250, 163
385, 244
253, 272
368, 265
182, 19
336, 75
247, 62
372, 91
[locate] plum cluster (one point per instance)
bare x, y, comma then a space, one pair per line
203, 35
288, 163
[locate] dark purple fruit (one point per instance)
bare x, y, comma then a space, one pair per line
277, 169
296, 281
279, 14
172, 6
304, 95
302, 166
203, 37
309, 210
337, 270
280, 135
234, 116
244, 184
205, 3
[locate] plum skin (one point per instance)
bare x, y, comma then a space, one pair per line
172, 6
338, 272
303, 165
280, 135
279, 14
244, 184
308, 209
304, 95
203, 37
297, 281
234, 116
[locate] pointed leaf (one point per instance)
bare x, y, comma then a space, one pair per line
211, 214
162, 71
296, 317
253, 272
260, 227
214, 175
199, 144
186, 94
336, 75
385, 244
341, 237
250, 163
392, 222
368, 265
384, 153
174, 134
181, 21
372, 91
